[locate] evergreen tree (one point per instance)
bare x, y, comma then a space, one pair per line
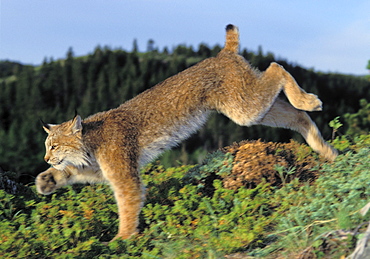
150, 46
135, 47
204, 51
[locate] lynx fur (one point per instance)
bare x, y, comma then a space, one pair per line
111, 146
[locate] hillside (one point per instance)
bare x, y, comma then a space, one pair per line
250, 200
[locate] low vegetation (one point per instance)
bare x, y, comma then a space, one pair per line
249, 200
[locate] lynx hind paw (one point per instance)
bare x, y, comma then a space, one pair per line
330, 153
310, 103
45, 183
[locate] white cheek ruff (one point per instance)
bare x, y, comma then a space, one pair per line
78, 160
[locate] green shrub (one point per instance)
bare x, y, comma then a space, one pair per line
330, 205
181, 218
189, 213
359, 122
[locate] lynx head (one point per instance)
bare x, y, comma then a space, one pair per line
64, 145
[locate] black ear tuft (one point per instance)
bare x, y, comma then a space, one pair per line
45, 125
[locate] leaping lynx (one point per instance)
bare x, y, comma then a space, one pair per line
111, 146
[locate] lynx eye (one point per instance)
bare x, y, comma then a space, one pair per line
52, 147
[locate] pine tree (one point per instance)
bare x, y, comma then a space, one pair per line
135, 47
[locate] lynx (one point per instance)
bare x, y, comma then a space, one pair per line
111, 146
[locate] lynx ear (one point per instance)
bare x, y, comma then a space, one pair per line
47, 127
76, 125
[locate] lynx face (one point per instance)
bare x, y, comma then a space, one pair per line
64, 145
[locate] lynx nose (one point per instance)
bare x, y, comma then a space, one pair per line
46, 158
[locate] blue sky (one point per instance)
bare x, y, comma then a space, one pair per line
326, 35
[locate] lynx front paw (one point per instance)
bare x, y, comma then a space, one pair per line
46, 183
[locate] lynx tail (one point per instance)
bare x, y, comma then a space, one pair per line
232, 38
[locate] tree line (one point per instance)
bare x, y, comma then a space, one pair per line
107, 77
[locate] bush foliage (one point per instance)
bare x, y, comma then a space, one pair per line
197, 212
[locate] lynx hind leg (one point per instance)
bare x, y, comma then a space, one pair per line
296, 95
50, 180
283, 115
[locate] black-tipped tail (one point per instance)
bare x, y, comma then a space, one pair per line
230, 27
232, 38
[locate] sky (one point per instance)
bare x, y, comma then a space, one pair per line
324, 35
